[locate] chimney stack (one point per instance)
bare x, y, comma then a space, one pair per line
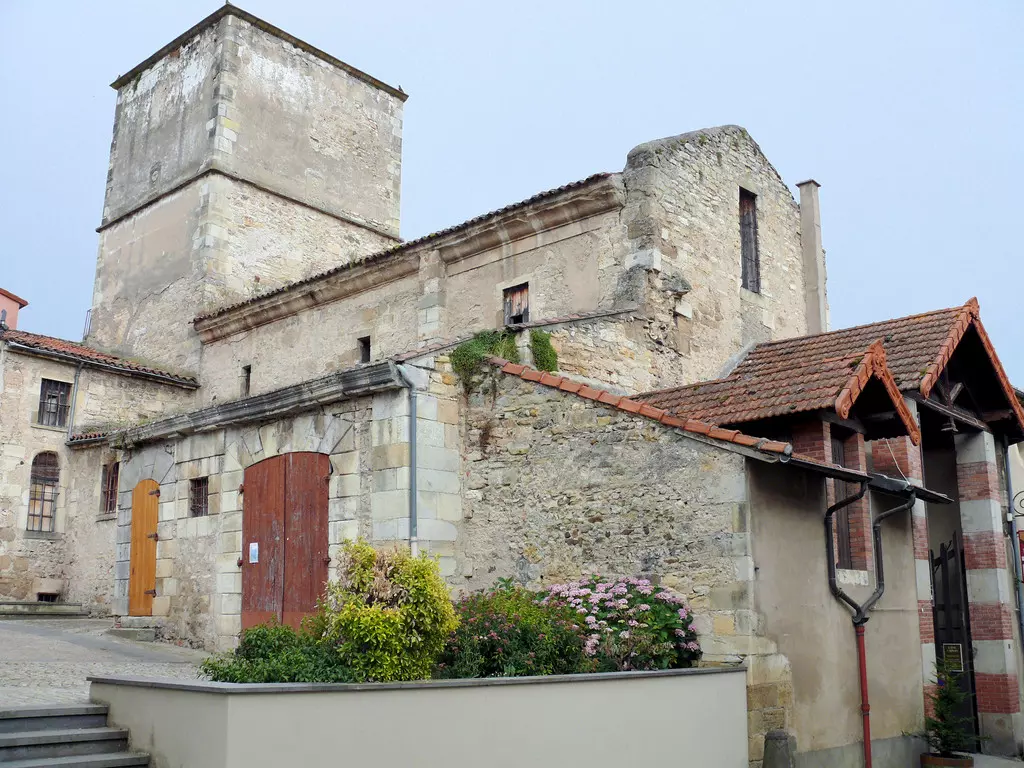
10, 304
815, 296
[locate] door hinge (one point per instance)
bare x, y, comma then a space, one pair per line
155, 493
153, 536
151, 592
241, 487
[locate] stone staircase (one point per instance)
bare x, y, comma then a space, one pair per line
76, 736
30, 609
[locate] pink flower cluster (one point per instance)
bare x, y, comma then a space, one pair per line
619, 607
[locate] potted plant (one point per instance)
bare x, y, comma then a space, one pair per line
949, 733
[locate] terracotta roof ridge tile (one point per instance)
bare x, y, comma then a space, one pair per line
862, 326
639, 408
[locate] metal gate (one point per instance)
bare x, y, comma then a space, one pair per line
952, 627
284, 537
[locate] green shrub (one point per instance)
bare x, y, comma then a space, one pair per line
948, 732
467, 357
631, 623
275, 653
387, 616
544, 355
507, 633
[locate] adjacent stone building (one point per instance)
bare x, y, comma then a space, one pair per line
267, 373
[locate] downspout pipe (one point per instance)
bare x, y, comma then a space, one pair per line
860, 612
407, 382
74, 399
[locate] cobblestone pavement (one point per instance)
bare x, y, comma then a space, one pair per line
47, 661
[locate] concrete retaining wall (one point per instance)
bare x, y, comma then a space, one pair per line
672, 718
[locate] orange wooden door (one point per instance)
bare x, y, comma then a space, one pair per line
142, 579
284, 537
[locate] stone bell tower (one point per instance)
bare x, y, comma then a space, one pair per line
242, 159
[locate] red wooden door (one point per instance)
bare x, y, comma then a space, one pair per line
263, 542
305, 553
284, 537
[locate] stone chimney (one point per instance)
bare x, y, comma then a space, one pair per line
815, 296
9, 306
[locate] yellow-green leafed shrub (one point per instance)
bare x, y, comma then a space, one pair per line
388, 615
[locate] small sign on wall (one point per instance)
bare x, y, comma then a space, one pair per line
254, 551
953, 655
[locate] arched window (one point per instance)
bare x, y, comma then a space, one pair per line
42, 498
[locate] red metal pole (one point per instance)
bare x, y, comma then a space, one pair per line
865, 707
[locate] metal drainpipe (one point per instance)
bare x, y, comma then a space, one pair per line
74, 397
860, 612
414, 544
1016, 540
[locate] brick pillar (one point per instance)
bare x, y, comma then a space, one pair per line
989, 592
858, 514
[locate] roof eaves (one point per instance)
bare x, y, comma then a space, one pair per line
968, 313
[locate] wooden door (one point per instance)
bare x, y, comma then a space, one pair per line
142, 578
263, 542
305, 555
284, 537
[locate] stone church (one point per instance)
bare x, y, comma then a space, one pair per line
266, 372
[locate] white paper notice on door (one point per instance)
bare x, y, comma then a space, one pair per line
254, 551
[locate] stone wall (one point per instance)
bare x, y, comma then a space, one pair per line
312, 343
80, 550
240, 162
682, 216
25, 555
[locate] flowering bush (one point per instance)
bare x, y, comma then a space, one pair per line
631, 624
508, 633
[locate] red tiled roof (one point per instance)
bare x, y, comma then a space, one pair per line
409, 244
769, 385
641, 409
88, 355
828, 370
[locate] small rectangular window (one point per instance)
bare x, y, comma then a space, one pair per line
364, 349
199, 497
54, 402
246, 379
108, 500
751, 259
517, 304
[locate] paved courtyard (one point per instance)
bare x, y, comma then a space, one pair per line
46, 661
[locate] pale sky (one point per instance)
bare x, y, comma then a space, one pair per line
910, 115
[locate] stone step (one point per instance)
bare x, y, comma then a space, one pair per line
25, 609
108, 760
141, 622
52, 718
71, 742
142, 635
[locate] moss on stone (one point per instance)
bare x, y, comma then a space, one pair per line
544, 355
466, 357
